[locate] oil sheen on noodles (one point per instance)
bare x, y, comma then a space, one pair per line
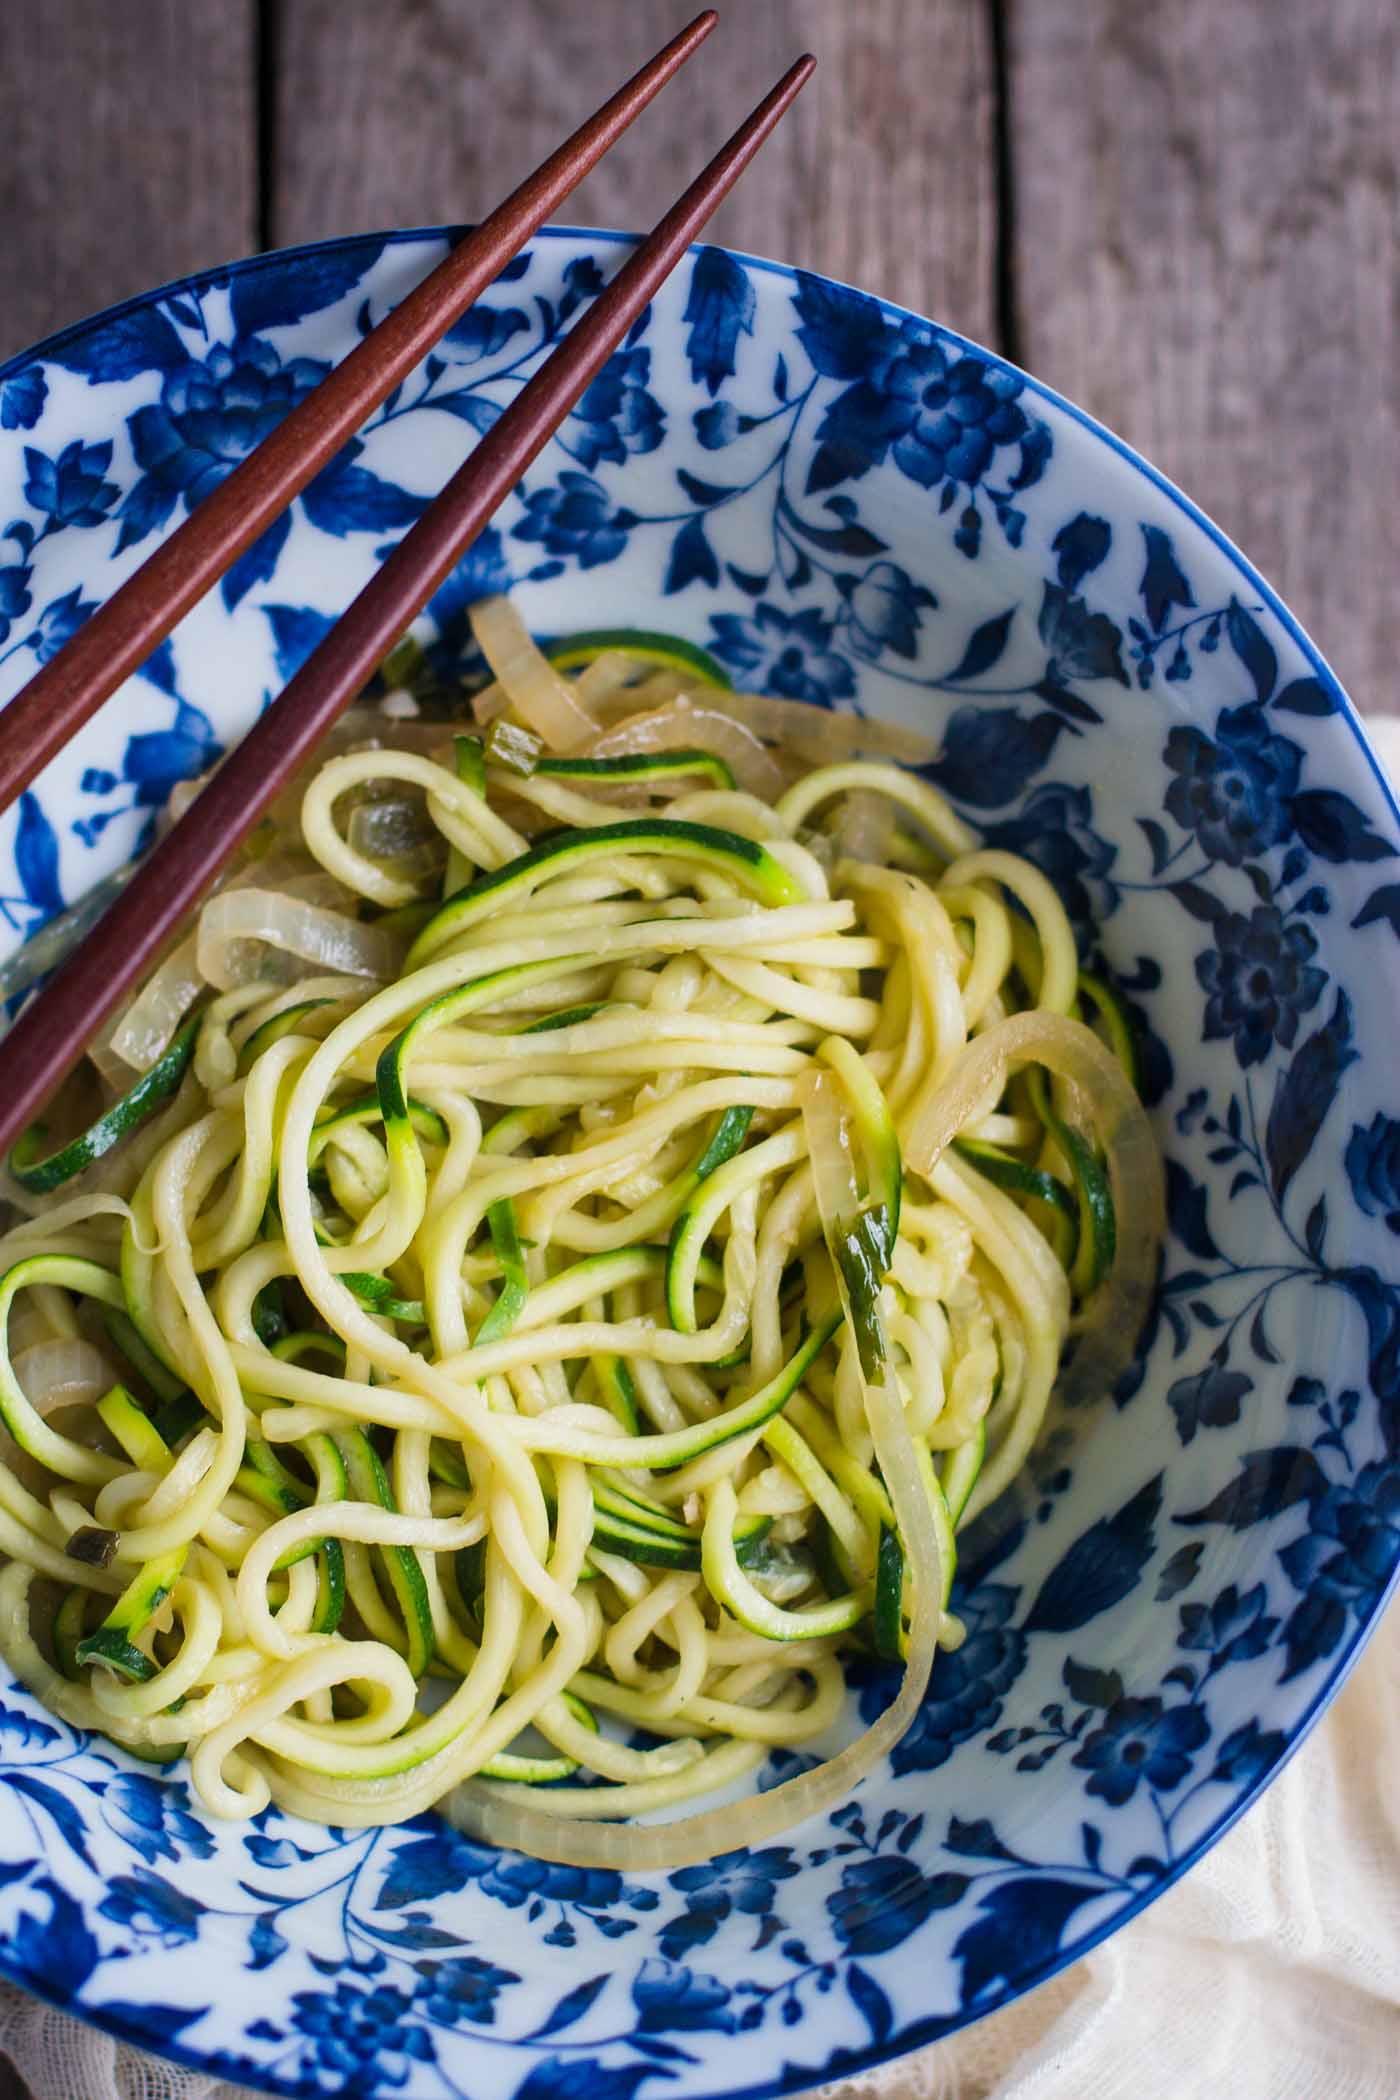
551, 1261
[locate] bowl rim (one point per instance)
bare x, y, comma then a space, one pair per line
919, 2034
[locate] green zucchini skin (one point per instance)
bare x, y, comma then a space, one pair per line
113, 1644
640, 765
751, 865
367, 1481
573, 651
152, 1090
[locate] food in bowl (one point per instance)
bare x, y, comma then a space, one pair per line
568, 1236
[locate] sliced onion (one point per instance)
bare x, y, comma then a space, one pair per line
539, 694
1108, 1333
62, 1373
236, 929
821, 736
681, 726
864, 828
138, 1038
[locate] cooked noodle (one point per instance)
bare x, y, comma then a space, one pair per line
575, 1243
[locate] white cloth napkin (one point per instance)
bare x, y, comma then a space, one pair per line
1271, 1972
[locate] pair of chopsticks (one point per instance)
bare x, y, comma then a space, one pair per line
54, 1028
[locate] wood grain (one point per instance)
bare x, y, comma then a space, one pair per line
129, 151
882, 175
1207, 255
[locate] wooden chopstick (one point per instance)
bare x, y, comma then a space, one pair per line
51, 1033
139, 615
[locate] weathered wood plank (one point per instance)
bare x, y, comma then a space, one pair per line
883, 173
130, 151
1207, 253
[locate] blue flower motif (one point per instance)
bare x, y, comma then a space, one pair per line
668, 1997
1140, 1739
1055, 829
617, 413
1373, 1168
742, 1881
15, 599
22, 399
70, 490
718, 425
210, 416
941, 417
465, 1988
788, 654
151, 1815
1346, 1557
1259, 980
578, 518
1233, 792
968, 1686
365, 2036
884, 608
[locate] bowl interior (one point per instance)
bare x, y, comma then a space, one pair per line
853, 507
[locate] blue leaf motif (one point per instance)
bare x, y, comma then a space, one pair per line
296, 631
481, 332
1382, 904
1163, 584
141, 340
1267, 1483
348, 498
1080, 644
60, 1955
840, 328
36, 857
990, 754
572, 2006
23, 1728
257, 564
1331, 826
1210, 1400
719, 309
670, 1999
1304, 1094
871, 2002
274, 297
265, 1943
583, 2078
1186, 1209
1082, 545
149, 2021
975, 1840
1101, 1567
1306, 696
65, 1815
984, 648
692, 559
1021, 1927
470, 408
1253, 650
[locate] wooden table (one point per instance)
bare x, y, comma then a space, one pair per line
1183, 216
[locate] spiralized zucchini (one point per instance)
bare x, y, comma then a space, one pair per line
552, 1273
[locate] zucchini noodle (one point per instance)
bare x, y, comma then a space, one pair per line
548, 1265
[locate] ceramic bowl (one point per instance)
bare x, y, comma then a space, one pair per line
849, 506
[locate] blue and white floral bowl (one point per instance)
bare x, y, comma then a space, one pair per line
848, 505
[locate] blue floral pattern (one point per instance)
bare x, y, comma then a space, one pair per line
852, 507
